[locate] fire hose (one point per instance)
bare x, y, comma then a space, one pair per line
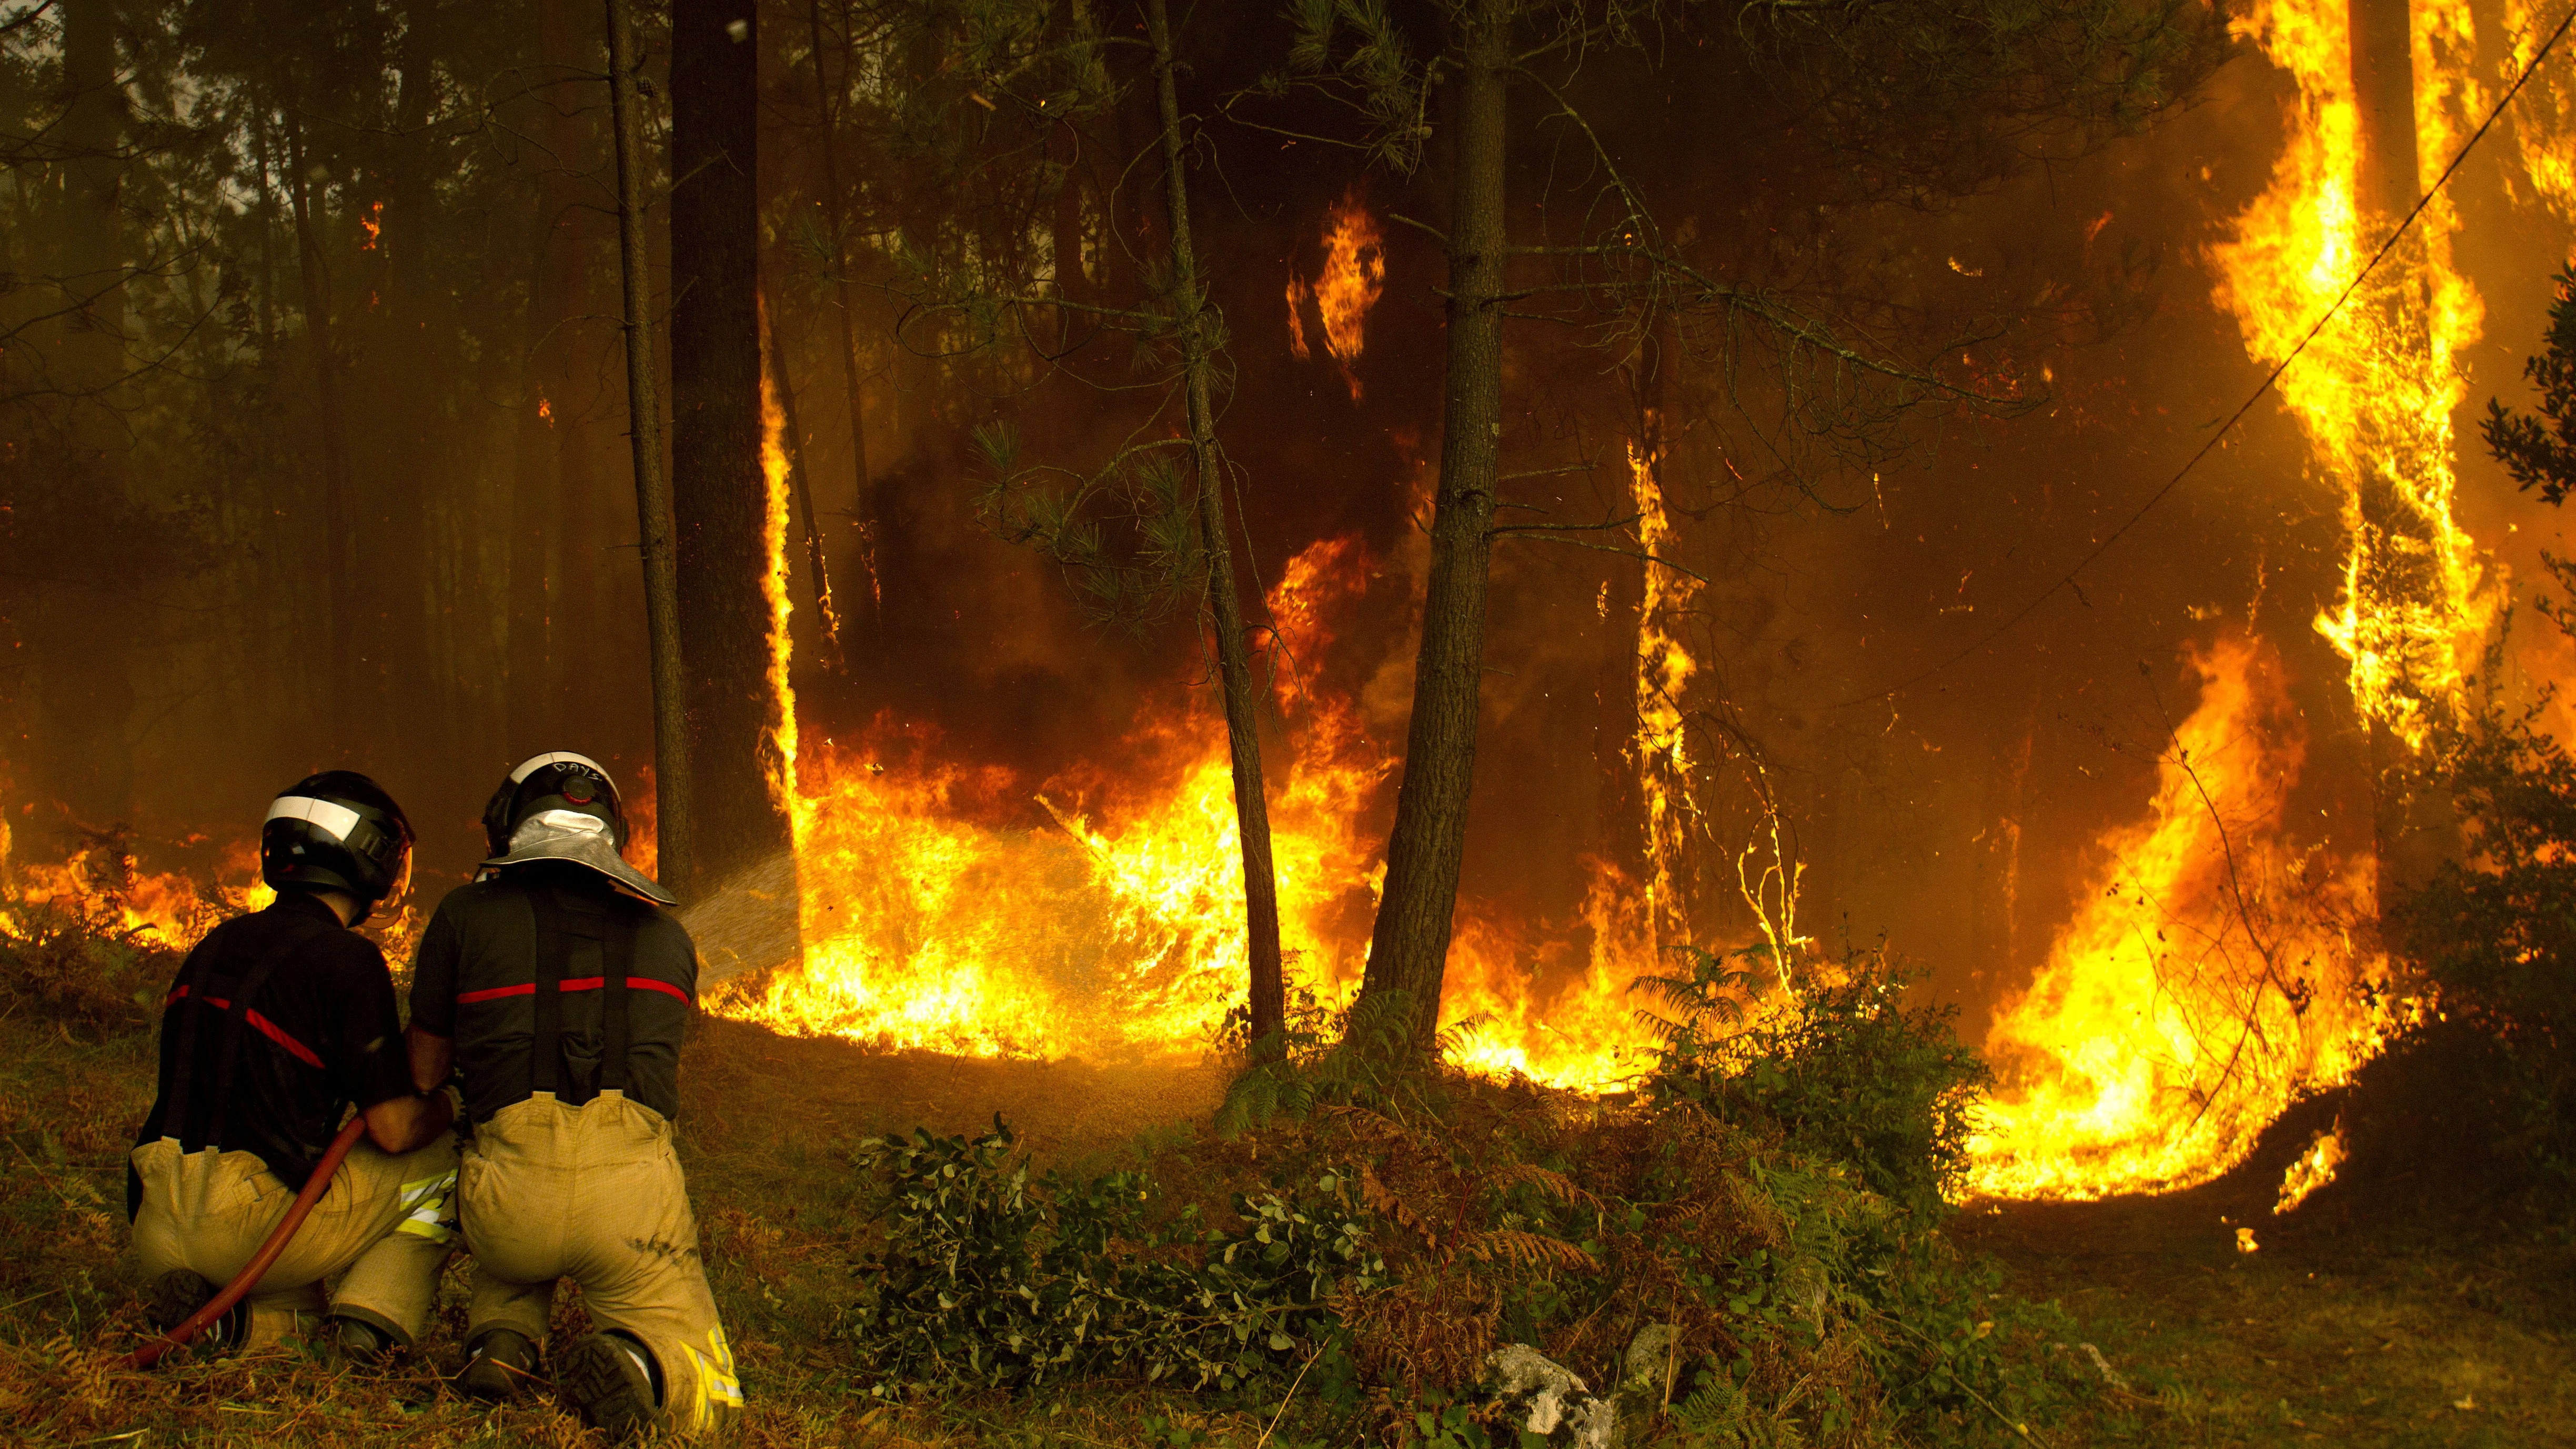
314, 1186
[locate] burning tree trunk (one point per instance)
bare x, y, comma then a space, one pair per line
1242, 723
845, 310
720, 499
792, 442
1409, 948
674, 812
2383, 83
2397, 541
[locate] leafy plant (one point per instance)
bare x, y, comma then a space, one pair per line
2540, 452
1771, 1196
1846, 1071
989, 1279
1362, 1056
2494, 934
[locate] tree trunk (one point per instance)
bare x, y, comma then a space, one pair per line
845, 309
719, 497
549, 592
674, 808
340, 637
408, 704
1409, 949
84, 633
527, 693
2413, 824
2383, 76
1234, 663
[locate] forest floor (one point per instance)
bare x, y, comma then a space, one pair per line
2342, 1327
2334, 1332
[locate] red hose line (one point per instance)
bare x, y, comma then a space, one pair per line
249, 1277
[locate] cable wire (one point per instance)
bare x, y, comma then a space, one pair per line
2274, 376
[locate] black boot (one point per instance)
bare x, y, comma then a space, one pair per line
175, 1297
349, 1342
499, 1364
608, 1379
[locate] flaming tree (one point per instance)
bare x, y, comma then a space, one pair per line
1926, 106
1146, 529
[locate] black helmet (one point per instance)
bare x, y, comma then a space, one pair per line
556, 780
337, 831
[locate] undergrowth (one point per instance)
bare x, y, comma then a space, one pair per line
1412, 1220
71, 961
1374, 1231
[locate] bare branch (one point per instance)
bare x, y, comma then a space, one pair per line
1634, 553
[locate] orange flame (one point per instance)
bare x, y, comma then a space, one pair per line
2375, 391
1354, 277
167, 907
1298, 292
2212, 977
781, 761
961, 908
1660, 749
2313, 1169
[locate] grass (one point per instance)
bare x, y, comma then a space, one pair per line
765, 1124
2343, 1329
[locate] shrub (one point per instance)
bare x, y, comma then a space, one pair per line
1845, 1071
991, 1280
1384, 1253
2494, 931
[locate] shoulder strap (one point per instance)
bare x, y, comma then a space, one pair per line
616, 964
571, 947
544, 1049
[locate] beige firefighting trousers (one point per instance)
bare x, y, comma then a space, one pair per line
594, 1193
386, 1221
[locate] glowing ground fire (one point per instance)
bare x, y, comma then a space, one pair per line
939, 915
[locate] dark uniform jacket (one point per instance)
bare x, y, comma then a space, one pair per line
319, 1035
476, 982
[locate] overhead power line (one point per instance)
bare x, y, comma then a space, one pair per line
2068, 579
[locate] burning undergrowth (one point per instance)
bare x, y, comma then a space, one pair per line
960, 906
2218, 971
92, 941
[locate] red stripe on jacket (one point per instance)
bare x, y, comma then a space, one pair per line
577, 983
260, 1024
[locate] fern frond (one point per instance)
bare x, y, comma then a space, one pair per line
1520, 1249
1383, 1201
1555, 1184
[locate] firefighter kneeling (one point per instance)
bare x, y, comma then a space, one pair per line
557, 990
279, 1022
